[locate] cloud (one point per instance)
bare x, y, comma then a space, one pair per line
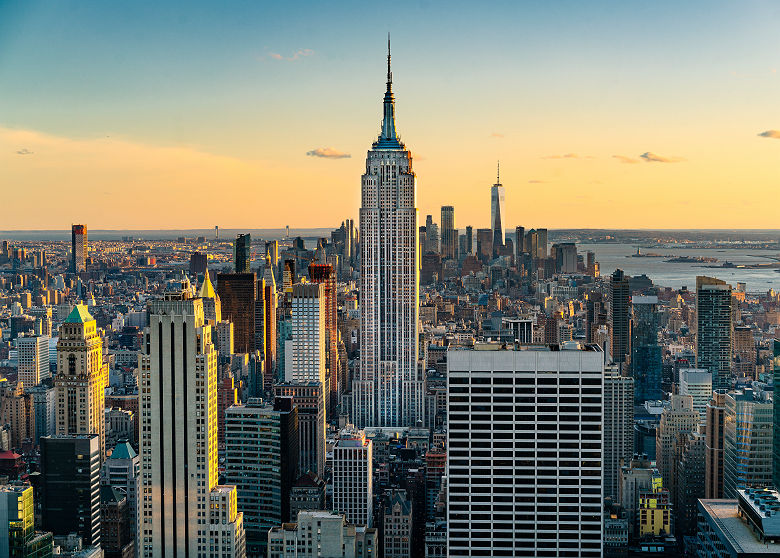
775, 134
328, 153
564, 156
24, 151
496, 135
624, 159
298, 54
653, 158
537, 182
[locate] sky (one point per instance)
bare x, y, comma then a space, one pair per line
152, 115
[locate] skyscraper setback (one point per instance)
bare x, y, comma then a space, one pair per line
388, 390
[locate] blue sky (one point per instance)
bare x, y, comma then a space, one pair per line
262, 81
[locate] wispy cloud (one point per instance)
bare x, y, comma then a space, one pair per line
297, 55
625, 159
564, 156
496, 135
537, 182
24, 151
654, 158
775, 134
328, 153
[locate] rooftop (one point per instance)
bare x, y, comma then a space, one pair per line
79, 315
724, 514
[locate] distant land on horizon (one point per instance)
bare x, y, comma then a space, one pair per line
226, 234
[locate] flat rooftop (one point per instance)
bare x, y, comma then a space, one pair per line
724, 513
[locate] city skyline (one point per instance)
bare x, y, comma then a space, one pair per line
585, 107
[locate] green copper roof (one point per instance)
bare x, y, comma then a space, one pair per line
123, 450
79, 315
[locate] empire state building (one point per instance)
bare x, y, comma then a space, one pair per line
388, 390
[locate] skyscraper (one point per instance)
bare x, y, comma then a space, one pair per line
524, 451
775, 414
306, 362
353, 477
242, 253
178, 387
449, 234
33, 355
122, 471
679, 417
620, 314
713, 448
261, 460
237, 295
307, 398
470, 242
70, 486
714, 330
79, 248
18, 538
388, 390
325, 274
497, 217
82, 377
747, 441
618, 427
646, 353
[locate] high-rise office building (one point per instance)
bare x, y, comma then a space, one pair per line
388, 390
484, 245
677, 418
471, 243
620, 318
690, 482
70, 486
747, 441
33, 354
618, 427
713, 329
353, 477
541, 243
178, 439
261, 460
713, 445
431, 244
646, 353
497, 214
519, 242
122, 471
335, 538
272, 252
307, 398
18, 538
449, 234
306, 362
44, 401
698, 384
242, 253
397, 532
325, 274
517, 420
82, 376
776, 414
237, 294
79, 248
636, 476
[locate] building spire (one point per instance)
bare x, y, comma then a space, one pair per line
388, 138
389, 73
498, 172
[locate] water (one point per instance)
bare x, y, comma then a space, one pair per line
677, 275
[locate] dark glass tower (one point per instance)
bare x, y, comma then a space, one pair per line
776, 417
242, 253
714, 329
620, 315
646, 357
